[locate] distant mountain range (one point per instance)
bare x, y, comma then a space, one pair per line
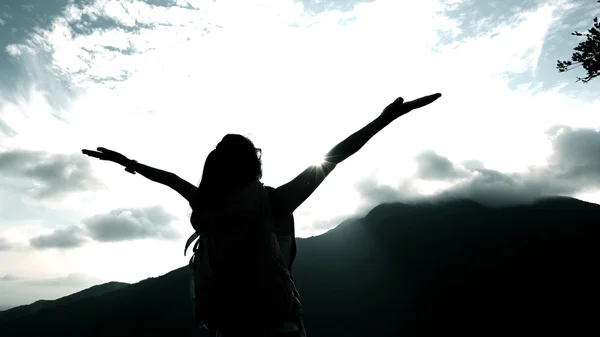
452, 268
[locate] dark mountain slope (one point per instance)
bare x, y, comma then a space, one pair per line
454, 268
444, 269
95, 291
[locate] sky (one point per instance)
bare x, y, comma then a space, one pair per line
162, 81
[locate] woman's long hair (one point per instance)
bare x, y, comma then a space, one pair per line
233, 164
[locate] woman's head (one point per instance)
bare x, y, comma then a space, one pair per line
234, 163
238, 156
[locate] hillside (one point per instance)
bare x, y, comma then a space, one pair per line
24, 310
445, 269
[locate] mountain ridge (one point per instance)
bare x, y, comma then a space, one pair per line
437, 269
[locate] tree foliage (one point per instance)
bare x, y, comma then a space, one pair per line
586, 55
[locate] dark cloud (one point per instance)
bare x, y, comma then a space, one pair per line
70, 237
432, 166
374, 194
5, 245
370, 190
115, 226
473, 165
162, 3
493, 188
20, 19
573, 167
131, 224
378, 194
576, 154
53, 175
24, 20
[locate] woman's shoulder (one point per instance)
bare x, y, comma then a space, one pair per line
276, 201
272, 193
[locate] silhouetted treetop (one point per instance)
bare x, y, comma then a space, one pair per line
587, 54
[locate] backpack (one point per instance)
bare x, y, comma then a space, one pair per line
239, 280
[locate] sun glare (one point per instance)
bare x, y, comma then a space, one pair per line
318, 161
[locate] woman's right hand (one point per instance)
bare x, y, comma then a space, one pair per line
106, 154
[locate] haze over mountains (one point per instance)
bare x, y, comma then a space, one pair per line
23, 310
425, 269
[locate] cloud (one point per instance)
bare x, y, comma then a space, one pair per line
8, 277
118, 225
377, 193
130, 224
62, 48
494, 188
81, 43
5, 245
574, 166
23, 66
70, 237
71, 280
53, 176
577, 154
6, 129
319, 6
431, 166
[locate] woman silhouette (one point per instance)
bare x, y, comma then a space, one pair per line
235, 162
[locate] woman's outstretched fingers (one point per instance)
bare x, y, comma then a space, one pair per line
423, 101
106, 154
91, 153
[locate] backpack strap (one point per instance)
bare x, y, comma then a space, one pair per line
191, 239
273, 201
294, 248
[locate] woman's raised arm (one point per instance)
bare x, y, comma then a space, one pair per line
184, 188
296, 191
